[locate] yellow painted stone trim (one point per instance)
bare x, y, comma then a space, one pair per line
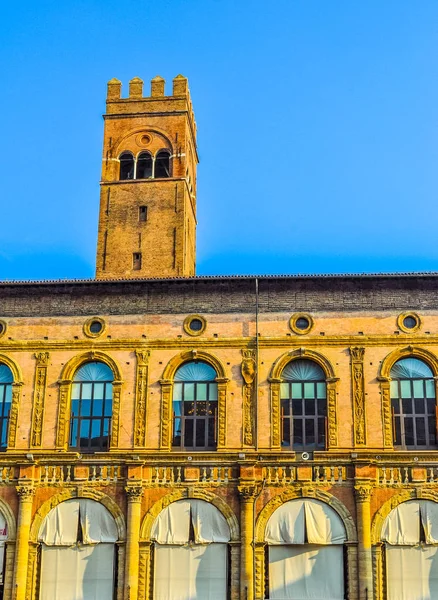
16, 394
6, 511
180, 494
64, 403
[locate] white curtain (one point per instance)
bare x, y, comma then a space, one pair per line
172, 526
3, 538
299, 520
72, 569
191, 572
60, 527
306, 572
77, 573
403, 524
412, 572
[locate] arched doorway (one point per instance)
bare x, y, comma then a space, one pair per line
410, 533
78, 550
191, 552
305, 540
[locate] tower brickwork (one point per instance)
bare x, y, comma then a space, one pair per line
147, 219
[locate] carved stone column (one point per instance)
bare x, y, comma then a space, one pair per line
117, 395
365, 563
358, 391
222, 412
135, 494
141, 397
62, 432
42, 361
332, 413
9, 571
275, 414
25, 495
248, 494
248, 370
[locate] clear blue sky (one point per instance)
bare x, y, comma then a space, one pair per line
317, 121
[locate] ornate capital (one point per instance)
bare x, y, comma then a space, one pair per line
42, 358
25, 493
362, 492
248, 491
248, 366
143, 357
357, 353
134, 493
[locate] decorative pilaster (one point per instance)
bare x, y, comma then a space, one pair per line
352, 582
13, 414
358, 390
332, 419
120, 570
8, 571
248, 494
32, 571
42, 361
25, 494
117, 394
248, 370
378, 571
166, 414
275, 414
235, 570
222, 412
144, 570
135, 495
385, 391
363, 509
260, 570
141, 397
62, 433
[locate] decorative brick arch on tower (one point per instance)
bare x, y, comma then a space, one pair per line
128, 141
384, 378
65, 383
275, 380
167, 394
16, 393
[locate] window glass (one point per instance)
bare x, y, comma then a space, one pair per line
6, 380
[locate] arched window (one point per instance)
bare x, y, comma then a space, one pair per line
78, 551
305, 551
195, 407
413, 404
6, 381
126, 166
91, 407
162, 164
190, 552
144, 166
410, 533
303, 406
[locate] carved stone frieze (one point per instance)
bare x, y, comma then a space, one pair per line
141, 397
42, 361
358, 391
248, 370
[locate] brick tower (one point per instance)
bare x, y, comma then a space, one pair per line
147, 219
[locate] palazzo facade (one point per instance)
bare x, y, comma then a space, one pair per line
223, 438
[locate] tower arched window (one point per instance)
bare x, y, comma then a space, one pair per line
91, 407
144, 166
126, 166
162, 164
6, 381
195, 406
303, 406
413, 400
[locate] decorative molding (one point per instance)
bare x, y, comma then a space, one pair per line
275, 415
166, 414
141, 397
188, 321
13, 414
248, 492
117, 394
222, 413
284, 359
332, 412
386, 414
358, 393
42, 361
415, 351
248, 369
